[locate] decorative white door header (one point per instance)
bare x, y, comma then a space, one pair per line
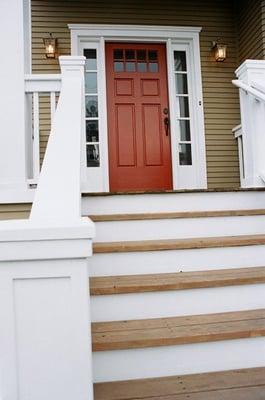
185, 97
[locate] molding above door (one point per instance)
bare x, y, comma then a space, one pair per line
175, 38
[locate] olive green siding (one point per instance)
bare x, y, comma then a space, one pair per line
14, 211
217, 19
249, 29
263, 26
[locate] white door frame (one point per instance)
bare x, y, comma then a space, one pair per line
175, 38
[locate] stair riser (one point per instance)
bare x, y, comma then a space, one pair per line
177, 303
179, 228
172, 202
176, 360
152, 262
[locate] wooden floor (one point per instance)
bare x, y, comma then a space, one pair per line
246, 384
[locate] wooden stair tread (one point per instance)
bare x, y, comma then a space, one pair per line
245, 384
108, 285
178, 244
176, 215
119, 335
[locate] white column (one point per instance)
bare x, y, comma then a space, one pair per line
252, 72
14, 58
45, 339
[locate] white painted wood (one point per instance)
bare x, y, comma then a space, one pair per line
35, 86
53, 104
121, 307
43, 83
152, 262
250, 82
45, 342
36, 136
62, 177
179, 228
167, 202
12, 100
95, 36
178, 360
238, 133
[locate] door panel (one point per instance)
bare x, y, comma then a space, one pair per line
139, 144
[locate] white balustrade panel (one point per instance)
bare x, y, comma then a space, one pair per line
40, 90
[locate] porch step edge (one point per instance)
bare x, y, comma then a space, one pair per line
137, 192
178, 244
121, 335
176, 215
111, 285
163, 387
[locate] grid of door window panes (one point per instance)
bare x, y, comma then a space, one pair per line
183, 111
91, 105
142, 60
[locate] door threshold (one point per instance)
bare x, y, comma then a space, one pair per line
140, 192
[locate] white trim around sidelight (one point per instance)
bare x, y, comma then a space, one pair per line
184, 177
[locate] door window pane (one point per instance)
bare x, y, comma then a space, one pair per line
92, 155
185, 154
91, 59
92, 131
141, 54
180, 61
91, 82
184, 126
152, 55
91, 106
153, 67
129, 54
118, 66
183, 106
141, 66
181, 84
130, 67
118, 54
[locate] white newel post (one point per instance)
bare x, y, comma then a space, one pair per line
14, 64
252, 73
45, 338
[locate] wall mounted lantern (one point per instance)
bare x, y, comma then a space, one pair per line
219, 50
50, 46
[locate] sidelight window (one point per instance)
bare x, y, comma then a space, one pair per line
91, 105
183, 107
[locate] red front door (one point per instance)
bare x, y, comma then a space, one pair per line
137, 97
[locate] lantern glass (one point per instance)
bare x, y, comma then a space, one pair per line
220, 52
50, 47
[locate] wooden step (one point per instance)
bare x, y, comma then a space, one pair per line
176, 215
245, 384
177, 330
107, 285
178, 244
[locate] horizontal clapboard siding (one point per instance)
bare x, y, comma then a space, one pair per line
250, 35
14, 211
263, 25
217, 19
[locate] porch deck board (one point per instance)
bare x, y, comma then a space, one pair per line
119, 335
107, 285
176, 215
179, 244
242, 384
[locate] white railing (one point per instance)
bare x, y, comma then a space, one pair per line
38, 87
238, 134
250, 134
45, 341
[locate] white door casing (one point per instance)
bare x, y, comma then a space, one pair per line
176, 39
